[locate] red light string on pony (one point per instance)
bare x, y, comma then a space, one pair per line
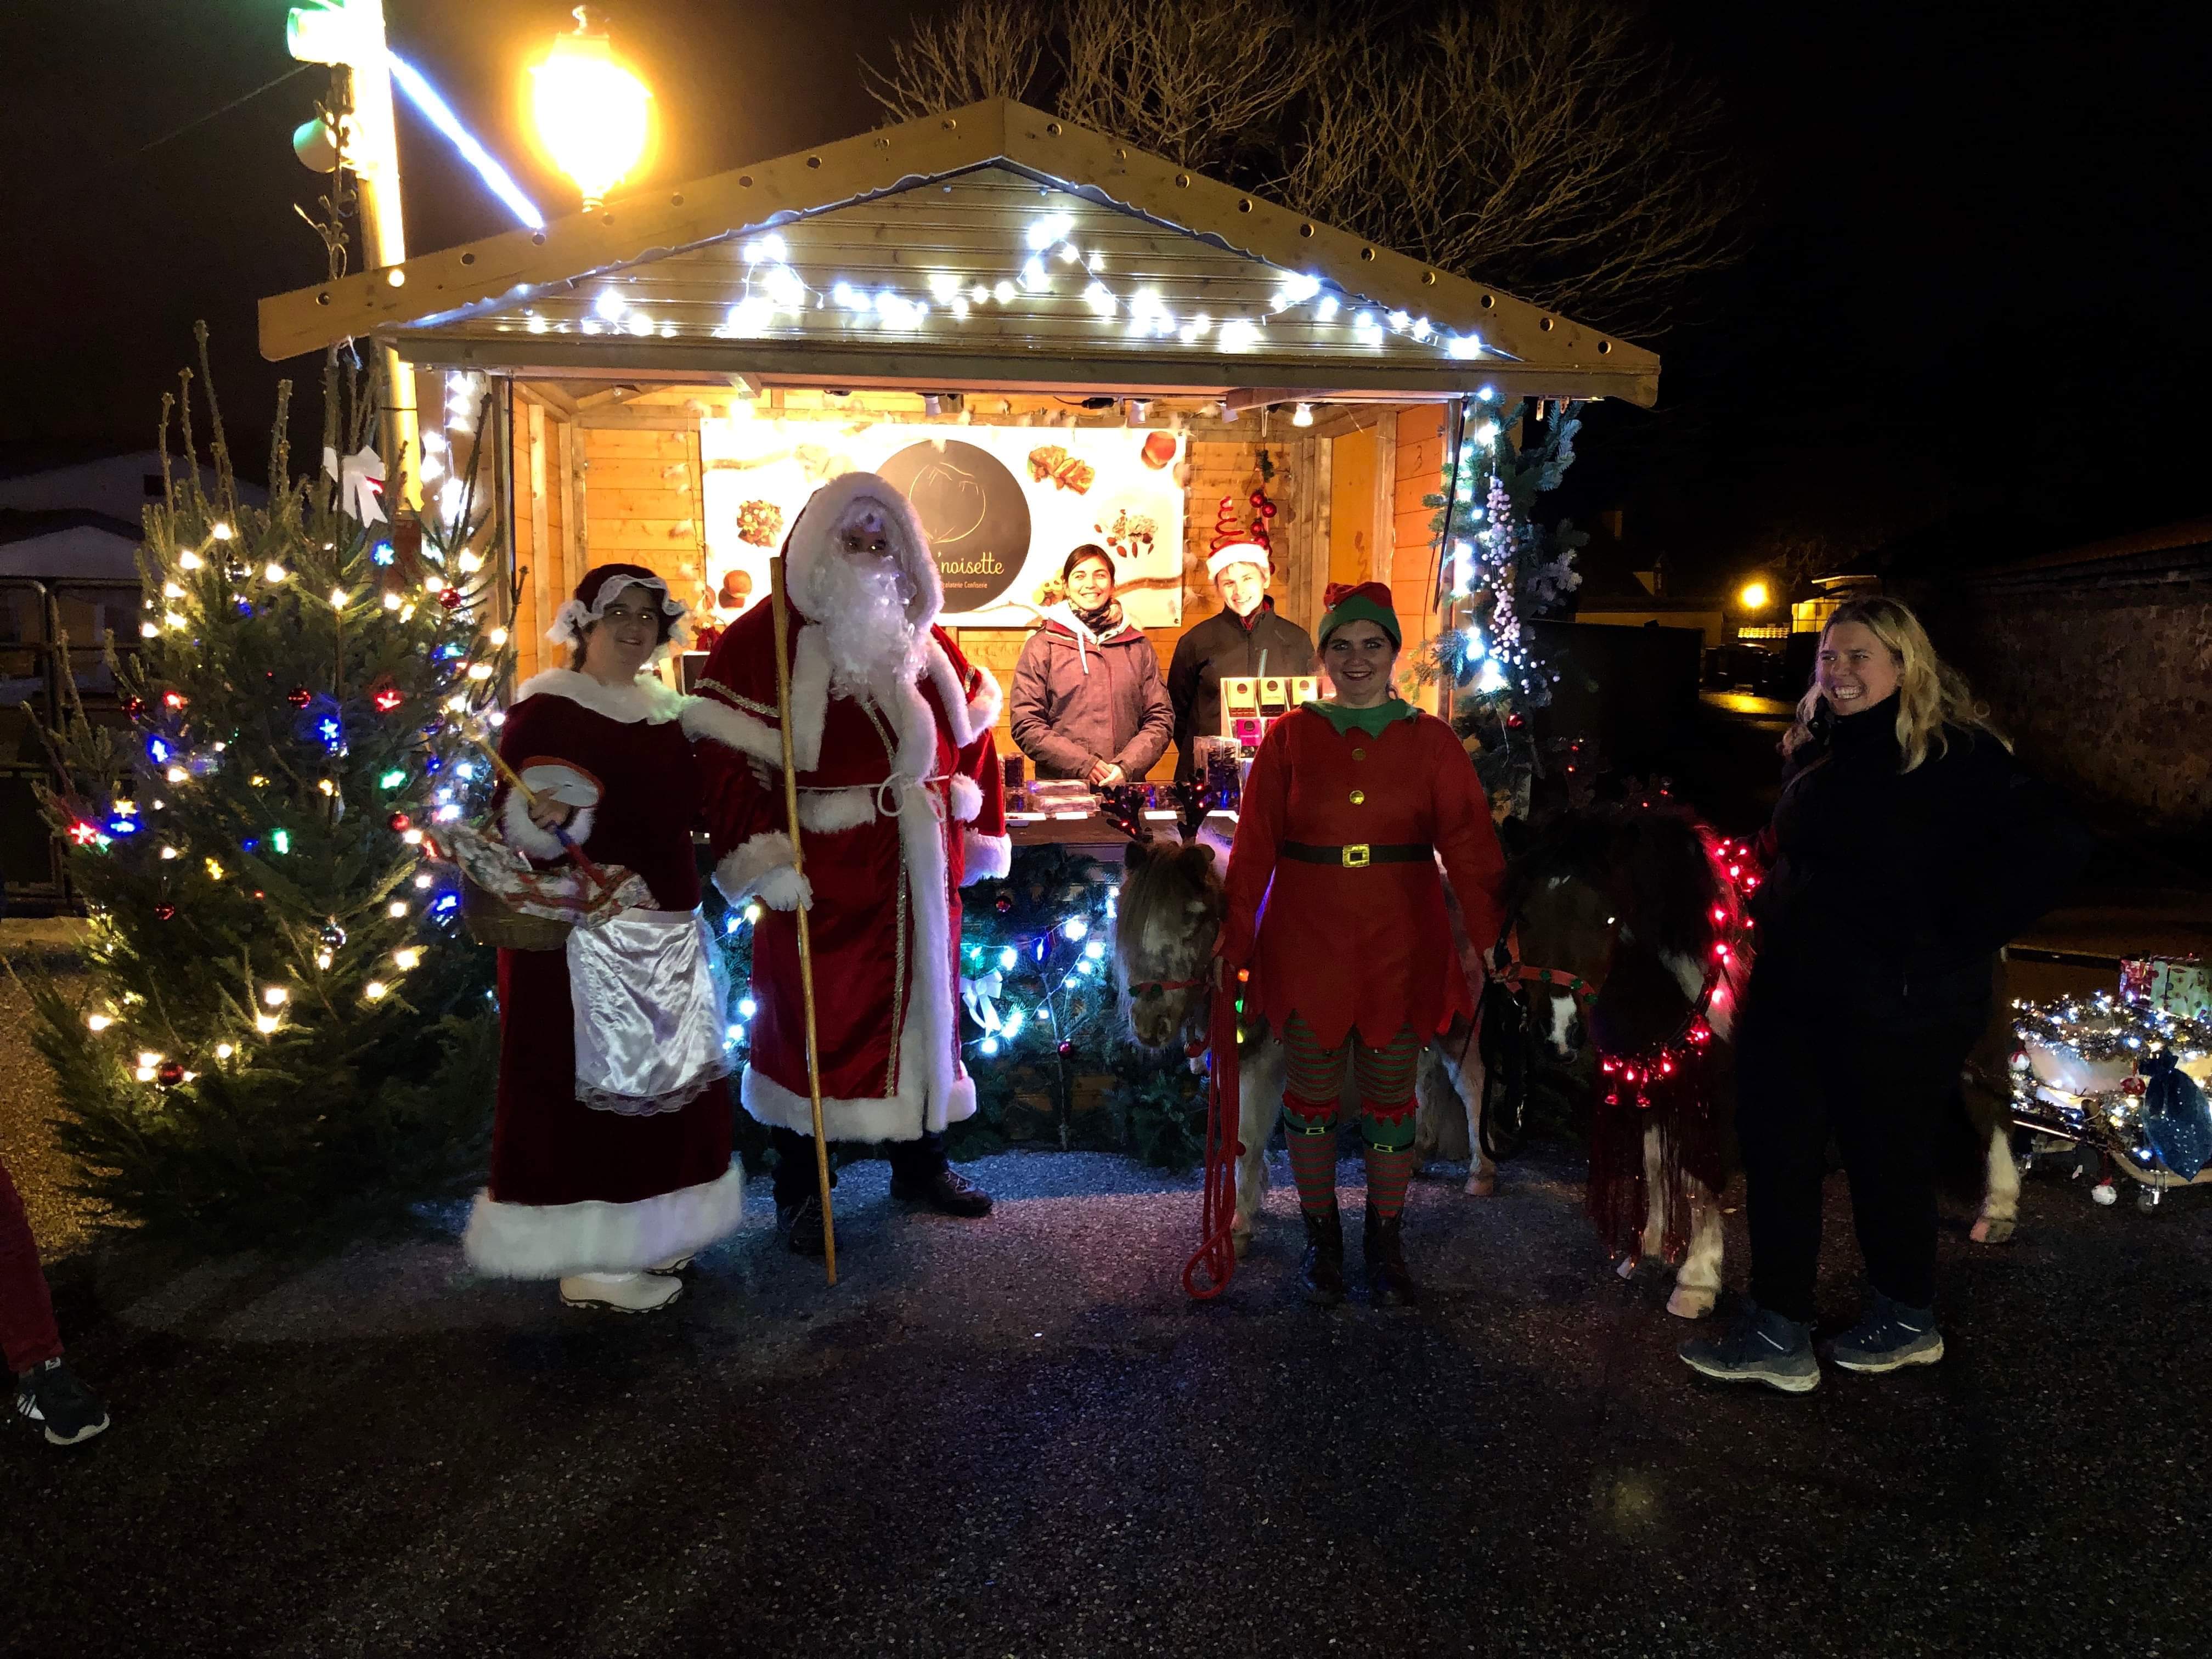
1683, 1053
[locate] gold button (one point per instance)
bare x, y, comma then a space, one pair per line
1359, 754
1358, 797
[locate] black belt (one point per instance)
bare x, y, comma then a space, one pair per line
1359, 856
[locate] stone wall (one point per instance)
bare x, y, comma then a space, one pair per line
2102, 673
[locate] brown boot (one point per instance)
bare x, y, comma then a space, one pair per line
1321, 1273
1389, 1284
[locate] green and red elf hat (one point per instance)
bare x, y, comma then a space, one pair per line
1357, 602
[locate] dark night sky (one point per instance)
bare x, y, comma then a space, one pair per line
1970, 291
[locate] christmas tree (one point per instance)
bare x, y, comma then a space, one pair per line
1497, 568
283, 1020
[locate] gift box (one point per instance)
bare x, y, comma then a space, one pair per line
2180, 986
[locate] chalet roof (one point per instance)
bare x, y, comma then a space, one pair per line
995, 246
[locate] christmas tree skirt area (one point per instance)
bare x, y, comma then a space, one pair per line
1018, 1435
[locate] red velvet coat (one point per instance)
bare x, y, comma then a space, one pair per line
574, 1189
899, 807
1370, 948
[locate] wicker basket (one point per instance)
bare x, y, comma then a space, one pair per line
491, 921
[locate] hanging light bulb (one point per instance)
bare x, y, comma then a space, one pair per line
1302, 416
593, 116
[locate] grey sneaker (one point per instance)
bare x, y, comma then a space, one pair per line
1761, 1346
1890, 1338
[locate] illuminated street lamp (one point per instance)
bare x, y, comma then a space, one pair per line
1753, 596
593, 116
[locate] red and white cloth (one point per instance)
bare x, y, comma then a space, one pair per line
901, 804
610, 1147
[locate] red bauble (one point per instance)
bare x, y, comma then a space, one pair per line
400, 822
1065, 1047
169, 1073
299, 697
450, 598
1003, 905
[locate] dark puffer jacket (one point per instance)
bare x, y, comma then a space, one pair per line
1079, 697
1891, 892
1227, 644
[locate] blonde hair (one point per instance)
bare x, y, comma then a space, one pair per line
1931, 695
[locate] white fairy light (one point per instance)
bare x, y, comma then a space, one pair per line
1003, 293
610, 306
275, 572
224, 1051
100, 1022
264, 1024
276, 996
375, 990
1033, 275
1326, 310
397, 908
171, 590
1045, 232
943, 285
979, 293
1099, 298
1239, 334
1464, 347
392, 602
188, 560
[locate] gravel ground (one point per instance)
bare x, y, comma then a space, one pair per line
59, 1222
1015, 1436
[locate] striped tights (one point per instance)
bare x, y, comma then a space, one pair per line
1313, 1076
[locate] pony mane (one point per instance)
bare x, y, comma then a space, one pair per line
1658, 865
1160, 882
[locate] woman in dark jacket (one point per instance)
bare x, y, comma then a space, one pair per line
1908, 846
1088, 701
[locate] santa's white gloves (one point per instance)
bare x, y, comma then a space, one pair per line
784, 889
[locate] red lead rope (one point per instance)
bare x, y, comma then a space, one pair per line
1208, 1273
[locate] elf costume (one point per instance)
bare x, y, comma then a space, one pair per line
1335, 905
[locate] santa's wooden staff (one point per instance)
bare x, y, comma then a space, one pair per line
782, 611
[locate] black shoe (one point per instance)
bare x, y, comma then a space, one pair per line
1321, 1273
945, 1192
800, 1224
51, 1397
1389, 1284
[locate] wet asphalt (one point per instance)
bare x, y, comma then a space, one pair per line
1018, 1437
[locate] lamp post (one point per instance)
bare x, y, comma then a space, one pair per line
351, 33
593, 115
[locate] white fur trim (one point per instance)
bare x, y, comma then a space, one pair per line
967, 798
648, 698
989, 857
742, 868
932, 1091
708, 716
813, 534
969, 711
552, 1240
518, 832
826, 811
1237, 553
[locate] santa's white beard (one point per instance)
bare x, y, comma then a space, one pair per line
873, 645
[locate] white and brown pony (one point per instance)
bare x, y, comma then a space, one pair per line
1629, 945
1169, 916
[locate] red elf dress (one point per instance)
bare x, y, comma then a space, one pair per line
1334, 898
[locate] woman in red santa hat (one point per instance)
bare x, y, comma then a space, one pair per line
610, 1150
900, 804
1352, 804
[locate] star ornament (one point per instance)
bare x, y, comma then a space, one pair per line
361, 483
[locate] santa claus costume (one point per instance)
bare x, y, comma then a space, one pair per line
900, 804
610, 1149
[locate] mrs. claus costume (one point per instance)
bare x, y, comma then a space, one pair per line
610, 1148
901, 803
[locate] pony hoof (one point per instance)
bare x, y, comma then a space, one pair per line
1988, 1230
1626, 1267
1687, 1303
1240, 1240
1481, 1186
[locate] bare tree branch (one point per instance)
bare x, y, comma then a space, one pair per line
1554, 147
981, 49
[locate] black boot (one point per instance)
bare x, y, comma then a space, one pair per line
1321, 1273
1389, 1283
